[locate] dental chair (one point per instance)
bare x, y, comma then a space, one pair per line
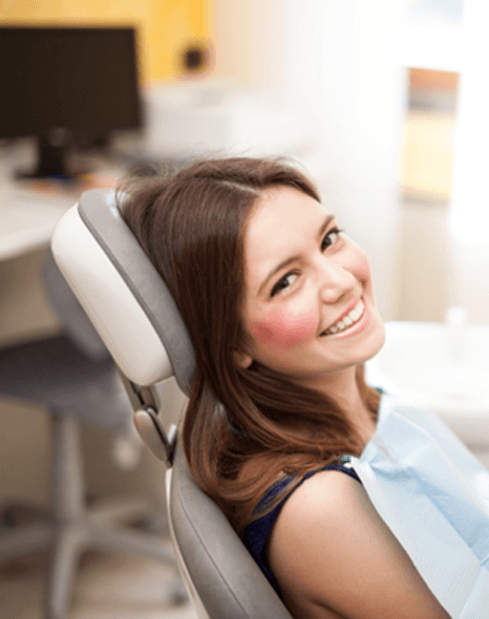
135, 315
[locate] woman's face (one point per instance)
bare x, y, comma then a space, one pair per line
309, 308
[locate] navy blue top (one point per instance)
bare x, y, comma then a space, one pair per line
257, 532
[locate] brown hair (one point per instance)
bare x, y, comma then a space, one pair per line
242, 428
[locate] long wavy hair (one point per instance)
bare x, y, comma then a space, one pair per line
243, 428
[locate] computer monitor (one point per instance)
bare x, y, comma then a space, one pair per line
59, 81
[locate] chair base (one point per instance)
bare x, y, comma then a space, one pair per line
74, 529
71, 540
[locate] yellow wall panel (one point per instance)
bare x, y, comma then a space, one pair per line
427, 155
165, 27
184, 25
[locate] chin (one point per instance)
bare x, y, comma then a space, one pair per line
377, 341
372, 343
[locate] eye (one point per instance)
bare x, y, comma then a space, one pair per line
330, 238
283, 282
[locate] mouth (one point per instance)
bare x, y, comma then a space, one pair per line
346, 321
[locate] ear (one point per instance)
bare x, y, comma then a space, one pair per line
242, 359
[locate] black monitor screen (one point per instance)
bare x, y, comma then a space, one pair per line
80, 79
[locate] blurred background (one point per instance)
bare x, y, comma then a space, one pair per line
383, 103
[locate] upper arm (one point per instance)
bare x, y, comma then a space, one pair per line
329, 549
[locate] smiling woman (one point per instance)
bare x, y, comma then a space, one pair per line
280, 308
309, 303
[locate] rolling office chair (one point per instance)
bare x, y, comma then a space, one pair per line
74, 377
135, 315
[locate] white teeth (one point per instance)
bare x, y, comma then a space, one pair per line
355, 315
347, 320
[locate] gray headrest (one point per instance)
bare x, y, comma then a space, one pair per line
74, 319
112, 277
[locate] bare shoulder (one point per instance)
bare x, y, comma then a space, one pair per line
333, 556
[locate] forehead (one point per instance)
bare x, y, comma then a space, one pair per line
282, 224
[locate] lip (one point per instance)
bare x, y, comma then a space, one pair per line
353, 329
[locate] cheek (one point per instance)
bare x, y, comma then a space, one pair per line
284, 329
363, 268
359, 265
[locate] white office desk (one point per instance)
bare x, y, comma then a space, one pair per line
27, 221
29, 211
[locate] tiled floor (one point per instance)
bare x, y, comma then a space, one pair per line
107, 587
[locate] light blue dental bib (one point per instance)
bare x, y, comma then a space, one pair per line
434, 496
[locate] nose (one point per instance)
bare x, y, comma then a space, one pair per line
335, 281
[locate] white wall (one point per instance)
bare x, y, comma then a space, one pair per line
469, 216
333, 59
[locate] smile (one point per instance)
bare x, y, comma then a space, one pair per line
347, 321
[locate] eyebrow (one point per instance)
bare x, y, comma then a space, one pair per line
292, 259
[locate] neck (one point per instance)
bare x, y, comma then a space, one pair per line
342, 387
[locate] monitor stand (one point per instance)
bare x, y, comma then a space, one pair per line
51, 162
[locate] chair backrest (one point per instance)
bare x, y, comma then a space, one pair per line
136, 317
219, 572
